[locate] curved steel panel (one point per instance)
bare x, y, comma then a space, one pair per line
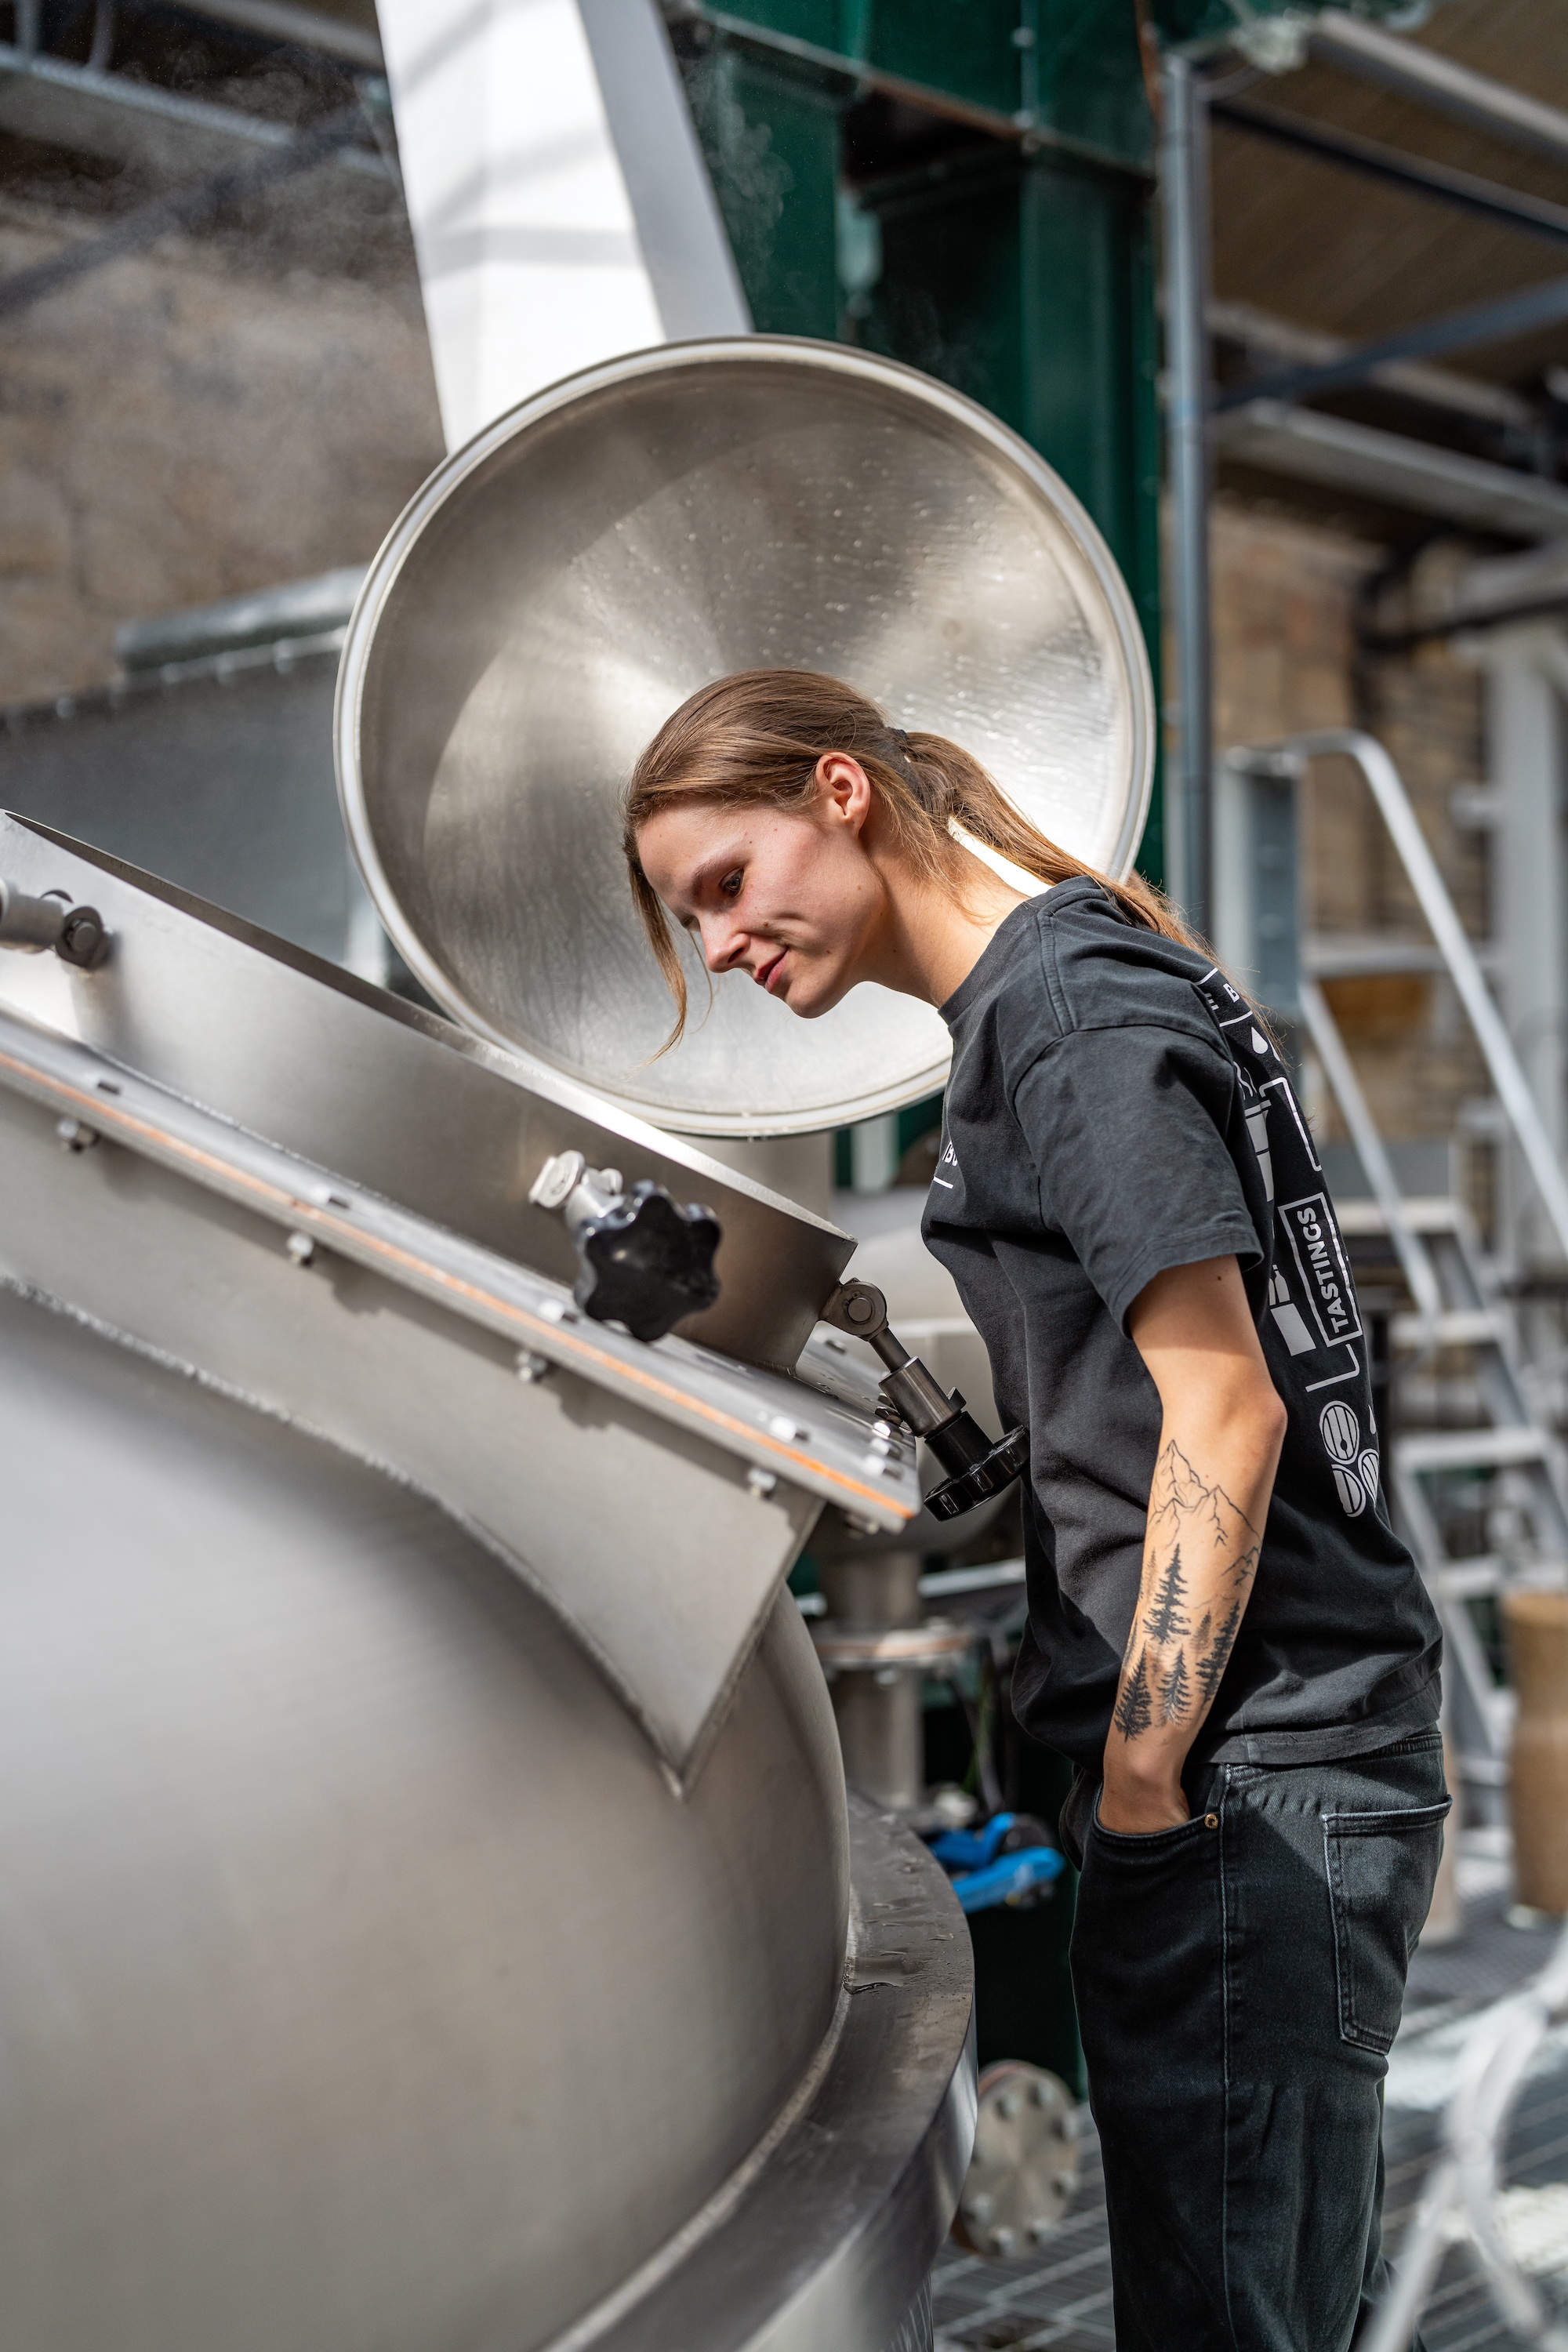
362, 1980
561, 584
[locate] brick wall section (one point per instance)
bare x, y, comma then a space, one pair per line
1285, 660
174, 429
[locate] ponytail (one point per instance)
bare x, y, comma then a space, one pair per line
756, 739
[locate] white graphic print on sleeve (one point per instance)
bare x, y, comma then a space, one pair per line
1340, 1433
1288, 1316
949, 1160
1321, 1261
1257, 1117
1311, 1299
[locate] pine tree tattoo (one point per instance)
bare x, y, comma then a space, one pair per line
1176, 1697
1213, 1664
1135, 1707
1164, 1621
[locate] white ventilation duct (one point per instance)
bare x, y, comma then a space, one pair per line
560, 208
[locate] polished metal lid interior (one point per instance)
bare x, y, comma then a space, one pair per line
562, 584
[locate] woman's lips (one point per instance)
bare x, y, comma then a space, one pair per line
767, 973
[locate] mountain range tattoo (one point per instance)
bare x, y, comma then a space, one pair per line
1171, 1669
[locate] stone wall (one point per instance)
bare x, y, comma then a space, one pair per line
181, 427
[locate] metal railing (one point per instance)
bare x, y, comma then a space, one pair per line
1464, 2189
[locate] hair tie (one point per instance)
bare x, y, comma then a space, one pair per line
899, 738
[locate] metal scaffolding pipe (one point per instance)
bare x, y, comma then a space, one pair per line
1441, 83
1184, 187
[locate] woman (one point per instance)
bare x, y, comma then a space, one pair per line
1223, 1635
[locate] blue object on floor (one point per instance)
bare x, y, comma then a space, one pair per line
984, 1872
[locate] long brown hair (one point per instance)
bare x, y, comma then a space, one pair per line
757, 737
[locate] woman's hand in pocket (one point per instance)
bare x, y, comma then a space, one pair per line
1133, 1807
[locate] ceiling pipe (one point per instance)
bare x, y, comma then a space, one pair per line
1439, 82
300, 27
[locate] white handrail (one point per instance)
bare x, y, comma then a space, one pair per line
1464, 2182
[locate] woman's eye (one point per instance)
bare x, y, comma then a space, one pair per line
731, 886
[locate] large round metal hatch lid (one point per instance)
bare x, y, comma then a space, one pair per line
560, 585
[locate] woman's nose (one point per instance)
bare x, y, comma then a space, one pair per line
723, 944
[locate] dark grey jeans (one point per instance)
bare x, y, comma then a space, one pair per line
1239, 1982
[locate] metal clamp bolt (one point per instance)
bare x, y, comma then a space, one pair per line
76, 1135
301, 1247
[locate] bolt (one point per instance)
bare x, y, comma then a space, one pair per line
556, 1180
1008, 2105
81, 936
1003, 2240
760, 1482
75, 1135
886, 1677
300, 1248
530, 1367
859, 1310
979, 2206
1040, 2091
1039, 2231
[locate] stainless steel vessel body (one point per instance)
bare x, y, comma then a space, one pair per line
429, 1914
363, 1982
561, 584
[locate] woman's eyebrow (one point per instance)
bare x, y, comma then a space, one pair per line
713, 868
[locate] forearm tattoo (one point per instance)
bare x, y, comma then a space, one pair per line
1189, 1609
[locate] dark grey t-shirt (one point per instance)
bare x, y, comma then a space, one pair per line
1115, 1109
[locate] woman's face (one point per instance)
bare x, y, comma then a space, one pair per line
794, 900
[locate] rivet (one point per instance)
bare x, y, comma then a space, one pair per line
1211, 1821
530, 1367
760, 1482
76, 1135
300, 1248
1007, 2106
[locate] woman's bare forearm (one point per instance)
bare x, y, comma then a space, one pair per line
1214, 1473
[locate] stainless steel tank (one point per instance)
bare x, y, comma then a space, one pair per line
429, 1913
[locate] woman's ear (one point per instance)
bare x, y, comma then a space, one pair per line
845, 790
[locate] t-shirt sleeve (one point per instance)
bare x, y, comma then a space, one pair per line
1128, 1128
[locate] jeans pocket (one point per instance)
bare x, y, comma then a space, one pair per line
1381, 1869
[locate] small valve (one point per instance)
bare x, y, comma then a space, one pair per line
977, 1467
77, 934
643, 1261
